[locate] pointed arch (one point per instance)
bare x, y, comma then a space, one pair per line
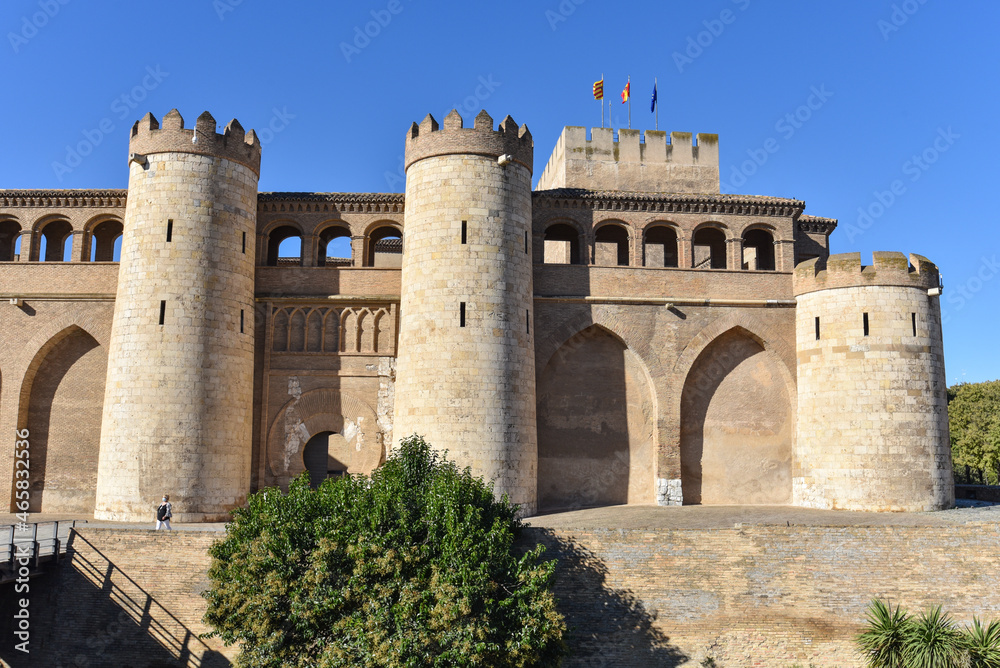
297, 331
61, 404
596, 417
764, 334
279, 332
331, 331
314, 331
737, 415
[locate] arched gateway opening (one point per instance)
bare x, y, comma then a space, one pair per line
317, 455
736, 425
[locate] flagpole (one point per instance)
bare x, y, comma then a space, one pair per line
657, 105
601, 101
630, 103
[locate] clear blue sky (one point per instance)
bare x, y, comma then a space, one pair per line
897, 80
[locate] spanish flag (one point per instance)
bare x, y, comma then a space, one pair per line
626, 92
599, 90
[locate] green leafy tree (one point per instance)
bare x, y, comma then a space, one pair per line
412, 566
974, 423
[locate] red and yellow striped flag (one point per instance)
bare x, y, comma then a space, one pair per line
599, 90
626, 92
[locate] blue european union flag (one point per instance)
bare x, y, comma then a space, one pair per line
652, 106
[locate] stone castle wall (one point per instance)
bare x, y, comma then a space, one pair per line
872, 393
178, 405
636, 162
466, 373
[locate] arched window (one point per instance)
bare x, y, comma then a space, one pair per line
284, 247
385, 247
562, 245
57, 242
334, 247
758, 251
105, 243
709, 248
660, 247
611, 246
10, 235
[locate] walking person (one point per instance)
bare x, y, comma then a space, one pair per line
163, 513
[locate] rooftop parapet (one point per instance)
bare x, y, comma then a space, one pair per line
637, 162
429, 139
845, 270
149, 137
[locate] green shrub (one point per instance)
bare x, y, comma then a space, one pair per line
412, 566
894, 639
982, 644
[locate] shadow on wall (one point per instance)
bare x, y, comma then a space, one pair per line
91, 614
736, 425
607, 626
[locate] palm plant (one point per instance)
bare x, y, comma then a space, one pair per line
882, 643
982, 644
933, 641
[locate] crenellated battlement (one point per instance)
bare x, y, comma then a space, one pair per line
637, 162
149, 136
844, 270
428, 139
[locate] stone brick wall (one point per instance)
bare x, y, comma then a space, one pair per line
758, 595
746, 596
178, 407
52, 369
123, 597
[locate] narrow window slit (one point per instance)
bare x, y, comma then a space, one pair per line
465, 228
170, 230
913, 321
866, 324
527, 321
526, 242
163, 310
244, 243
461, 314
817, 328
241, 321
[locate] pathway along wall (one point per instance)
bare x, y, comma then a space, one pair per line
465, 376
179, 393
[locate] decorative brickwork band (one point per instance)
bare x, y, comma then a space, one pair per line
429, 139
844, 270
148, 137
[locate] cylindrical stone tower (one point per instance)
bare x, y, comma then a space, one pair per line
179, 397
872, 397
465, 375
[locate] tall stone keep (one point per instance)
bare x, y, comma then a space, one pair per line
872, 397
179, 395
465, 372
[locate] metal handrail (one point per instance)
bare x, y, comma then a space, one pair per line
19, 541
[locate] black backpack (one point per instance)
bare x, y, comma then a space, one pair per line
161, 512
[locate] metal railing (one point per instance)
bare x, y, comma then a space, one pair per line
32, 545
